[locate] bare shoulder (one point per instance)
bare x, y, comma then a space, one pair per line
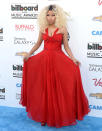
64, 30
42, 31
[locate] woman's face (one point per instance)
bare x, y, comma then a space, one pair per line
50, 17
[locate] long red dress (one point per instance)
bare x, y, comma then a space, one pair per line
52, 89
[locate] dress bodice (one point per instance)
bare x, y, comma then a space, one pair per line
52, 42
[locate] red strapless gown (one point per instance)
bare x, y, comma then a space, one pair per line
52, 89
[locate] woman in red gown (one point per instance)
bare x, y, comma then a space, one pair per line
52, 89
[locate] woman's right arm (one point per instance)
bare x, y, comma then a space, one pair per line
37, 45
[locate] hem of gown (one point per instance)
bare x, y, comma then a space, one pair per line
74, 122
52, 125
82, 117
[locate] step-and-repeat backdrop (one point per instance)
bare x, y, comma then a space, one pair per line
19, 32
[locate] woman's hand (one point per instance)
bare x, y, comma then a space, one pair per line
26, 56
76, 61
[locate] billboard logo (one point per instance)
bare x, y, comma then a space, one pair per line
17, 71
2, 90
24, 11
94, 46
94, 50
18, 7
17, 67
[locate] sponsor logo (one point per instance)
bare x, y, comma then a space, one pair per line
23, 27
23, 41
97, 18
2, 90
94, 50
17, 71
97, 82
24, 11
18, 75
21, 53
2, 96
95, 68
95, 107
94, 46
17, 67
18, 96
18, 85
97, 32
96, 95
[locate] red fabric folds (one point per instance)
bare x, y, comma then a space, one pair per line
52, 89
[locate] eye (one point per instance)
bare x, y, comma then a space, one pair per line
47, 14
53, 15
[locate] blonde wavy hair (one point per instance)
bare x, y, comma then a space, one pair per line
61, 17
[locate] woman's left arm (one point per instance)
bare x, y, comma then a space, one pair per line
66, 45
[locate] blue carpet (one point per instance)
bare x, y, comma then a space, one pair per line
16, 119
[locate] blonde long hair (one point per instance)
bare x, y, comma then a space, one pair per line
61, 17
